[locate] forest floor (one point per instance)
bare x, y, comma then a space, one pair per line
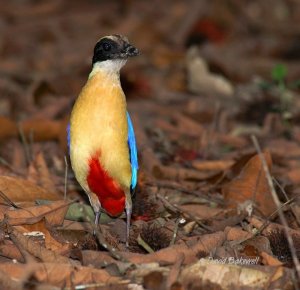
214, 99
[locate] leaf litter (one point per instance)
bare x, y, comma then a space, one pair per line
210, 77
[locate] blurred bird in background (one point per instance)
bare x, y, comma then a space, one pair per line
101, 137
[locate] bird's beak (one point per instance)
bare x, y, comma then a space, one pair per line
130, 50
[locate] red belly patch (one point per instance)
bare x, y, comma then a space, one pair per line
111, 196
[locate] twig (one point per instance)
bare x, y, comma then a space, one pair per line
277, 202
25, 144
281, 188
144, 245
11, 203
176, 209
27, 257
109, 248
5, 163
66, 177
168, 185
37, 250
175, 231
211, 140
267, 221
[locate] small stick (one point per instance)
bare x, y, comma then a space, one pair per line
66, 177
277, 202
28, 258
25, 144
174, 236
175, 209
11, 203
5, 163
165, 184
281, 188
144, 245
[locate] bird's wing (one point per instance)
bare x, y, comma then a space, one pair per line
133, 152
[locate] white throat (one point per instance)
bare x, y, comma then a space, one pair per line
111, 66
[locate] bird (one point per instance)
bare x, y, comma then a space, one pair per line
101, 138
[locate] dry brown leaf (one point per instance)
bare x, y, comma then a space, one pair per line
251, 184
60, 274
37, 249
169, 255
50, 243
54, 214
269, 260
175, 270
97, 258
18, 157
39, 173
269, 227
8, 128
294, 175
41, 130
236, 233
10, 251
233, 141
17, 189
77, 226
212, 164
200, 211
170, 172
227, 275
284, 148
201, 80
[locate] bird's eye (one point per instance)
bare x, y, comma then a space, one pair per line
106, 46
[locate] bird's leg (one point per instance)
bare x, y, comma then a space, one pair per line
128, 208
97, 219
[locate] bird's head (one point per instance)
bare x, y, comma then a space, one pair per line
113, 51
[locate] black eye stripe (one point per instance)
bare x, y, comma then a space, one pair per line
106, 46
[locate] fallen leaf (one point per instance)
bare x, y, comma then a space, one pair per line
11, 251
294, 175
41, 130
269, 260
169, 255
54, 214
200, 211
236, 233
8, 128
60, 274
201, 80
50, 243
17, 189
212, 164
228, 275
40, 173
251, 184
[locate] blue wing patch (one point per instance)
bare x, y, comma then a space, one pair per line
68, 137
133, 152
